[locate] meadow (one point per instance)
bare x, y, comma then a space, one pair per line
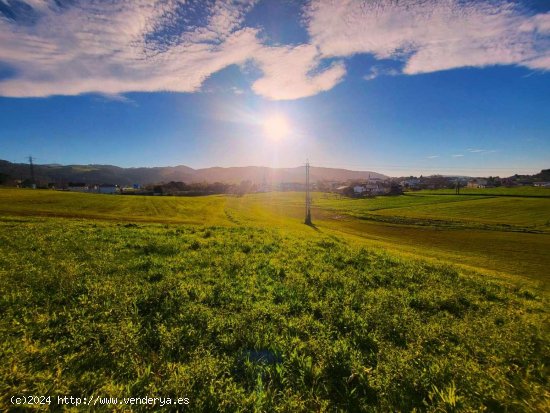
523, 191
235, 304
506, 236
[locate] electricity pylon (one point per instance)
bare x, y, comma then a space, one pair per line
308, 197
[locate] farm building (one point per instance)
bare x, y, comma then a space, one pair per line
359, 190
373, 189
477, 183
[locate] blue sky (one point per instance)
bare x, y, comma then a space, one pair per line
452, 87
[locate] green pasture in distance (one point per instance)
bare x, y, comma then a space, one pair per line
352, 206
192, 210
518, 256
526, 212
520, 211
494, 243
241, 318
492, 247
499, 191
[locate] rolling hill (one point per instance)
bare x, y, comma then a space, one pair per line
61, 174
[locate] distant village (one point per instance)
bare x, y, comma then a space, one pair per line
394, 186
351, 188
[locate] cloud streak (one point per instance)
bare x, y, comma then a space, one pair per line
68, 48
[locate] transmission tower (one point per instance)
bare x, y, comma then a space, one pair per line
308, 197
33, 182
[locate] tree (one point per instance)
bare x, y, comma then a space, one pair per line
395, 189
4, 178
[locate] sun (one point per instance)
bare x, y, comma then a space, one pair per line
276, 127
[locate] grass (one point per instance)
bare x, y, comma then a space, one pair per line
235, 304
494, 245
523, 212
500, 191
507, 236
195, 210
249, 319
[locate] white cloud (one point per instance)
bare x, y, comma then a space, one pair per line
457, 155
433, 156
101, 47
432, 35
117, 98
376, 71
290, 72
112, 47
237, 90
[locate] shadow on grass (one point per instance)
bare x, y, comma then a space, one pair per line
312, 225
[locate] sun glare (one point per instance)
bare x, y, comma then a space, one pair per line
276, 127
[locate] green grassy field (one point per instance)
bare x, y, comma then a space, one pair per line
506, 236
512, 243
130, 208
523, 212
235, 304
500, 191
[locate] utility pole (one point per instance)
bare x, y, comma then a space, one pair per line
308, 197
457, 187
33, 183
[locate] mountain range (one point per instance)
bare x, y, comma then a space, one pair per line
101, 174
